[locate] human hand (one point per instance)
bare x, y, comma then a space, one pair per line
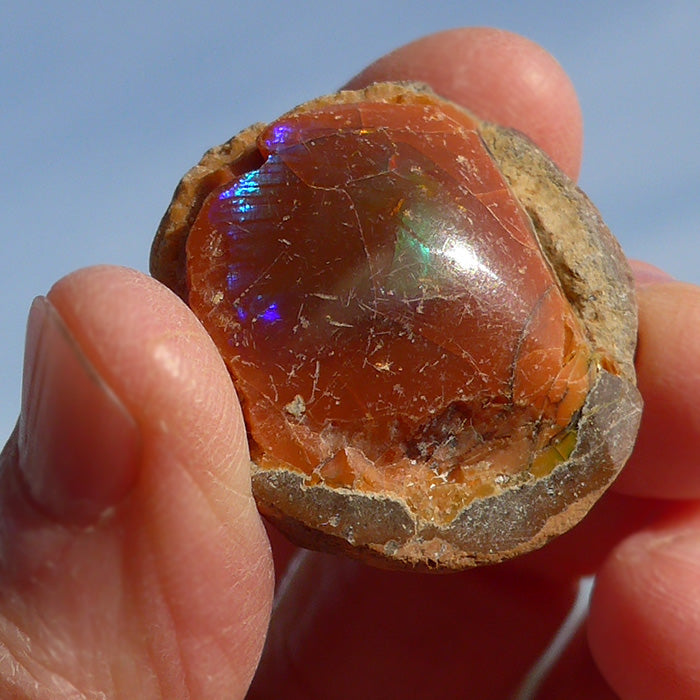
134, 563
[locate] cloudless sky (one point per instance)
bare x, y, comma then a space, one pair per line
103, 106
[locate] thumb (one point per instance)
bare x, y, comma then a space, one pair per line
132, 559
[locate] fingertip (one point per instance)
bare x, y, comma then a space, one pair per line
664, 461
643, 625
645, 274
502, 77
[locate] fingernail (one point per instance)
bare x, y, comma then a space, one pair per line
646, 274
79, 448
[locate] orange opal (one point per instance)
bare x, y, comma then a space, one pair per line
430, 328
384, 306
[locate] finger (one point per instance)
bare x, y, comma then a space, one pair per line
501, 77
344, 630
664, 463
644, 626
160, 586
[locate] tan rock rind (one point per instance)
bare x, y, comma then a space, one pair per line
593, 272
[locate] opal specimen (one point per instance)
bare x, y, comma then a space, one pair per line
384, 305
393, 326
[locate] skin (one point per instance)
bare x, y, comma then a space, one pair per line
133, 562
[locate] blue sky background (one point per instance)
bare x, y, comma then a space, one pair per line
103, 108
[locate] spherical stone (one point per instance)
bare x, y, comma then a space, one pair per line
412, 360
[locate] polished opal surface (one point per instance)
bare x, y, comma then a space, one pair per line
383, 305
